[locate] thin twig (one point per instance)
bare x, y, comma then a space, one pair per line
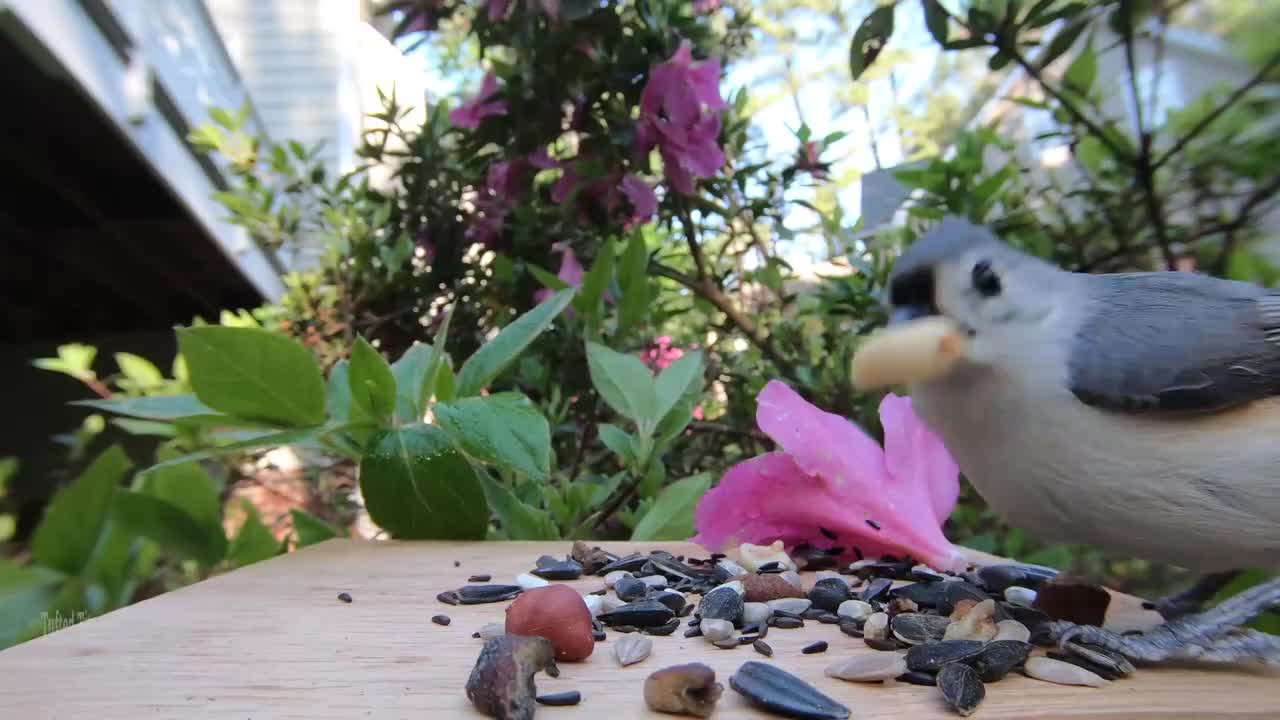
706, 286
1209, 119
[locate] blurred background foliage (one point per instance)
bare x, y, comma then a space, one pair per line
684, 303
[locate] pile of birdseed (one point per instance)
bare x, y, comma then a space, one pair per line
958, 632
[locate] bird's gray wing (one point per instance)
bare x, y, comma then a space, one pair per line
1175, 342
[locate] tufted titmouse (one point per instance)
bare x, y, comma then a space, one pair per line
1139, 413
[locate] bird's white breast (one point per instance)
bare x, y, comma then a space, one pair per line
1202, 493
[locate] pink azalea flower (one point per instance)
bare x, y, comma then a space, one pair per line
498, 9
571, 272
542, 159
502, 188
661, 354
705, 6
810, 162
679, 112
644, 204
471, 112
829, 475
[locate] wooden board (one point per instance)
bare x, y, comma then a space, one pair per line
273, 641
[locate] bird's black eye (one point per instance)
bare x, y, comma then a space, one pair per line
985, 279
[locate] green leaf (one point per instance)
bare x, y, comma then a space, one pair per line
145, 427
373, 386
170, 527
139, 370
254, 542
73, 521
594, 283
223, 118
617, 440
624, 383
338, 391
310, 529
935, 18
491, 359
548, 280
417, 485
8, 469
633, 278
1083, 70
254, 373
671, 517
439, 376
1091, 153
1266, 622
412, 392
869, 39
73, 359
520, 521
25, 592
258, 441
188, 487
1062, 41
159, 407
675, 381
504, 429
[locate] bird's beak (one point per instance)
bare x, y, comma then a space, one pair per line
907, 313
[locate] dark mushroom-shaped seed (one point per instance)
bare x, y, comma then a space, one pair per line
501, 683
344, 597
683, 689
441, 619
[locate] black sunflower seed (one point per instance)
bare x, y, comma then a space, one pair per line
645, 613
999, 658
346, 597
441, 619
961, 688
667, 629
933, 656
770, 688
559, 570
630, 589
915, 677
479, 578
814, 648
723, 603
877, 589
763, 648
882, 643
630, 563
786, 623
481, 594
998, 577
568, 697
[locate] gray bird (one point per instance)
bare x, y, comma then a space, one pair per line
1139, 413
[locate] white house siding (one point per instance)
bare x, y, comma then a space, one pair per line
293, 55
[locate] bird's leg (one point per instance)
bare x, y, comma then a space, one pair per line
1214, 635
1194, 597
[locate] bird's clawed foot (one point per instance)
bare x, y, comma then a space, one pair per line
1193, 598
1214, 635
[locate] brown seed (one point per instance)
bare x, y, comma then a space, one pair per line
975, 622
501, 683
763, 588
1074, 601
763, 648
558, 613
814, 648
683, 689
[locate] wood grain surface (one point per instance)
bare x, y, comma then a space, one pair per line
273, 641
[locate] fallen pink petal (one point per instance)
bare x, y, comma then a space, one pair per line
828, 478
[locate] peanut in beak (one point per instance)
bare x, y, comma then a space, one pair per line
917, 351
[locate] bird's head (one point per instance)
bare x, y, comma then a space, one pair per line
1000, 298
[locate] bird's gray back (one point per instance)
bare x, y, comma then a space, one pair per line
1175, 342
